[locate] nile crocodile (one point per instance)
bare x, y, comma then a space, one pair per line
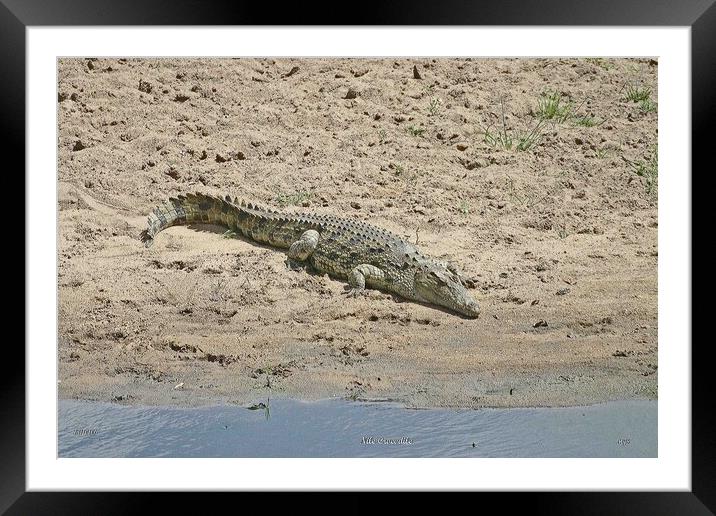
344, 248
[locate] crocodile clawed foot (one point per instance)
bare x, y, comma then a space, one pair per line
293, 265
355, 292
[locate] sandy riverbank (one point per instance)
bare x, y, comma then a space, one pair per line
563, 232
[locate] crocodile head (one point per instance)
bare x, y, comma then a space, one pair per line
441, 284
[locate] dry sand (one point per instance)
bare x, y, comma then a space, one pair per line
564, 232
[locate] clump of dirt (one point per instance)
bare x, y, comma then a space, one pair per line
537, 176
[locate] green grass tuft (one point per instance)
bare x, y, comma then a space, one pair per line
415, 131
294, 199
600, 62
551, 106
526, 140
637, 93
587, 120
519, 140
649, 170
464, 208
647, 106
434, 106
501, 139
602, 153
398, 168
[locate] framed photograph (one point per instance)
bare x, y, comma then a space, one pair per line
437, 240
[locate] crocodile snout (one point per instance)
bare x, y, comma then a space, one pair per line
471, 308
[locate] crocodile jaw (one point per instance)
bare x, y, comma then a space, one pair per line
439, 286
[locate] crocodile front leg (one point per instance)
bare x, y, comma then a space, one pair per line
360, 275
303, 248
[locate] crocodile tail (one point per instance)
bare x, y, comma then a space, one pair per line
189, 209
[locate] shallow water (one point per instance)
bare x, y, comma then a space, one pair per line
340, 428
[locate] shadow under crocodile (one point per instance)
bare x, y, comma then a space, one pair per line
222, 231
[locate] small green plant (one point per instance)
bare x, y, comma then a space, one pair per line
293, 199
602, 153
600, 62
382, 134
464, 208
587, 120
649, 170
415, 131
551, 107
527, 199
526, 140
217, 291
647, 106
434, 105
408, 177
520, 140
512, 191
498, 139
636, 93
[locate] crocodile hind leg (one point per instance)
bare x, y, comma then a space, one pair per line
302, 248
360, 275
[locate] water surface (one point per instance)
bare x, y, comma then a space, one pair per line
340, 428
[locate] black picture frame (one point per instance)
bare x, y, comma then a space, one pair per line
17, 15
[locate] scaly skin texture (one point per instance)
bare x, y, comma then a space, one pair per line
347, 249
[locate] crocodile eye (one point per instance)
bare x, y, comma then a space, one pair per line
439, 277
457, 274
